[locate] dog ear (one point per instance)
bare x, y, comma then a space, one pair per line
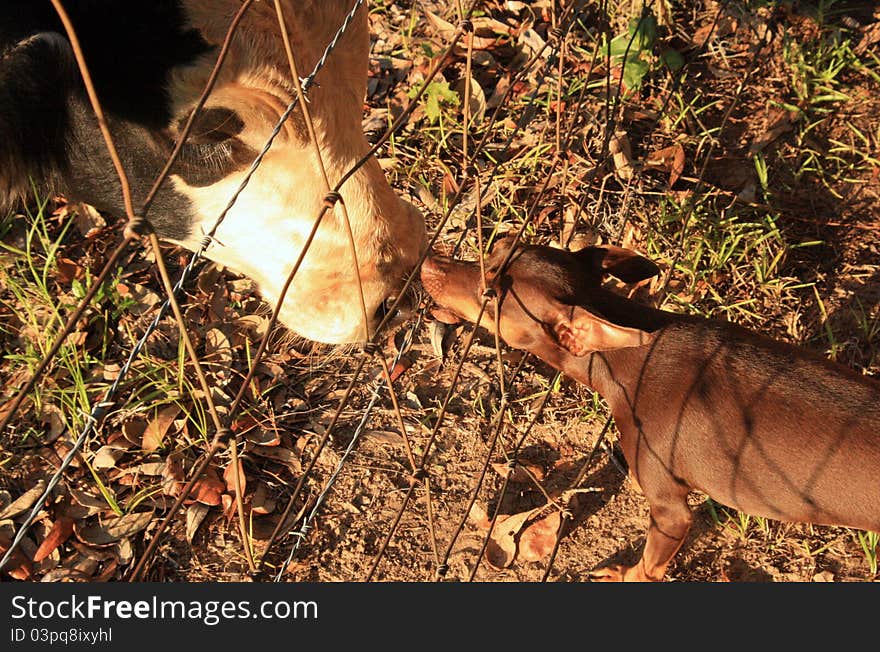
497, 256
585, 333
621, 263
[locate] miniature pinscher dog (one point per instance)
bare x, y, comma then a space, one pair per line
759, 425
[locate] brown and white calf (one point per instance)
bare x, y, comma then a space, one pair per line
150, 60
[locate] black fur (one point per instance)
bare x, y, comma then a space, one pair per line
48, 134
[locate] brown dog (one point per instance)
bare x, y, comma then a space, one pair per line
759, 425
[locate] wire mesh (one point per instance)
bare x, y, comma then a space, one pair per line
407, 477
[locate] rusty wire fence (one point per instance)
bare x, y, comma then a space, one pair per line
419, 514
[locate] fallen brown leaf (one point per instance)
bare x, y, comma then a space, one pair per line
19, 566
229, 478
539, 538
157, 428
68, 270
522, 472
621, 154
107, 456
501, 549
208, 489
24, 502
669, 159
60, 532
195, 514
278, 454
779, 122
262, 502
113, 529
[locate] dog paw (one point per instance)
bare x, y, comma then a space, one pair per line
609, 574
621, 573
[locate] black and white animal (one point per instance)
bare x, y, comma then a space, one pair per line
150, 60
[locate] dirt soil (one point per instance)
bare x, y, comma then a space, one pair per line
814, 226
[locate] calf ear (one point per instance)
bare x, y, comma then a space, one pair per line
585, 333
621, 263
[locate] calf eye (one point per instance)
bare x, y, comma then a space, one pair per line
213, 126
212, 149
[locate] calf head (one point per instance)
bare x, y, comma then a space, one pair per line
150, 60
551, 301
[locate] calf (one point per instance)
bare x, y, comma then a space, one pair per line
762, 426
150, 60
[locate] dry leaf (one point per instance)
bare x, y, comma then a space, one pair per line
437, 330
488, 32
133, 431
621, 155
501, 549
399, 368
51, 416
172, 476
144, 299
823, 576
195, 514
478, 516
870, 37
278, 454
253, 326
87, 500
229, 478
539, 538
24, 502
522, 472
477, 101
779, 122
262, 502
218, 351
107, 456
208, 489
19, 566
88, 220
670, 159
60, 532
68, 270
157, 428
500, 552
114, 529
385, 437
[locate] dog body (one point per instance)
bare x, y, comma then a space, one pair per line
759, 425
150, 61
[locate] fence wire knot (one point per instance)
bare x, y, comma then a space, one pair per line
137, 227
306, 83
466, 26
418, 475
555, 33
302, 532
442, 569
224, 435
331, 198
